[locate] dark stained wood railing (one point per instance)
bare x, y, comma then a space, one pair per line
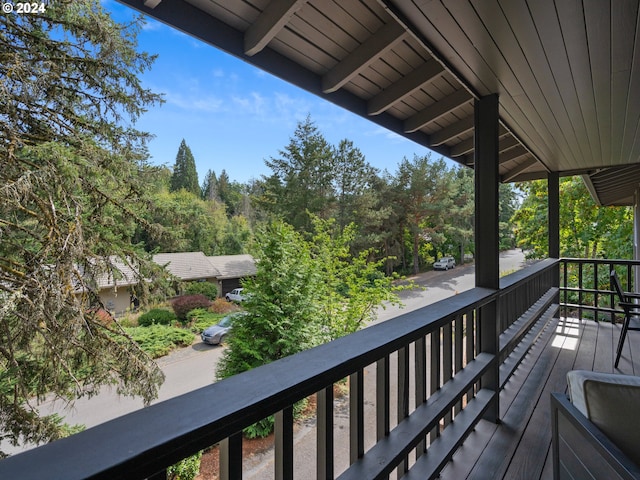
586, 290
428, 365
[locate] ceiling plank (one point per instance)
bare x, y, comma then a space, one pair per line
437, 110
513, 173
360, 58
404, 87
272, 19
452, 131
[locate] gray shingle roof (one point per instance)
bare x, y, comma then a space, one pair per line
233, 266
187, 265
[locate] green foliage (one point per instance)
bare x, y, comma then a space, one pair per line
186, 469
159, 340
71, 196
352, 287
183, 304
185, 175
586, 230
199, 319
208, 289
302, 178
304, 293
282, 313
423, 195
157, 316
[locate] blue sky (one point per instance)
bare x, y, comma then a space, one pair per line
232, 115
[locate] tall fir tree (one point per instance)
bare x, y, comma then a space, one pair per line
72, 173
185, 174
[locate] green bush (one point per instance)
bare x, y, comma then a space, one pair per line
208, 289
157, 316
159, 340
186, 469
199, 319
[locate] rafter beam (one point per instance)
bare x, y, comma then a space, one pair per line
404, 87
452, 131
508, 142
512, 154
436, 110
513, 173
272, 19
363, 56
462, 148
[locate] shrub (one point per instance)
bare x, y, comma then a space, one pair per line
199, 319
159, 340
157, 316
184, 304
186, 469
220, 305
208, 289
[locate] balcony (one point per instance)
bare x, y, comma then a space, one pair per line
424, 390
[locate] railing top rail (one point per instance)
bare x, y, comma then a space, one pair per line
521, 277
148, 440
601, 261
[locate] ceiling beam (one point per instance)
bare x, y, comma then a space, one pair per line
272, 19
404, 87
151, 3
512, 154
462, 148
508, 142
363, 56
514, 172
452, 131
436, 110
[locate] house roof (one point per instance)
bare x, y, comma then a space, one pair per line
567, 73
120, 274
187, 265
233, 266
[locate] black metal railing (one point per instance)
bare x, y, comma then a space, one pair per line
586, 290
413, 375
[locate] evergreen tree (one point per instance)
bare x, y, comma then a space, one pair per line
72, 167
302, 179
185, 174
209, 187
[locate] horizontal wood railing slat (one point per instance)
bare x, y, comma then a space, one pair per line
442, 449
383, 457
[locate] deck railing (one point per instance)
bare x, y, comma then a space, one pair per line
413, 375
586, 290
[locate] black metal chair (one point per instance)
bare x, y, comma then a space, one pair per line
631, 312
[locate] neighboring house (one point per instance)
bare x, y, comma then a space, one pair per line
115, 287
231, 270
226, 271
188, 266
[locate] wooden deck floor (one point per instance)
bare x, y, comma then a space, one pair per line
520, 447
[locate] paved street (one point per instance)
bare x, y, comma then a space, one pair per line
193, 367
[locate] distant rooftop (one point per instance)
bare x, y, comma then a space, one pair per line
233, 266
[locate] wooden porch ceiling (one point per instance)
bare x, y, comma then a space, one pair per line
567, 72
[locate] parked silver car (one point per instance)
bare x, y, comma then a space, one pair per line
214, 335
445, 263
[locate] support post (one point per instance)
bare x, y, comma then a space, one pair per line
553, 218
487, 236
636, 239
